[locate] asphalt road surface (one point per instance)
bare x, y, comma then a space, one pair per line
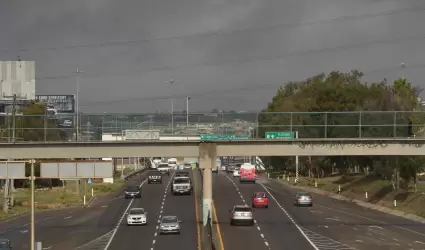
157, 201
68, 228
329, 224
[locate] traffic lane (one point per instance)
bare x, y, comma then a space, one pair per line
20, 222
73, 227
272, 221
131, 237
234, 237
182, 206
355, 231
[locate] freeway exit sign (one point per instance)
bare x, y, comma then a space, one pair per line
212, 137
280, 135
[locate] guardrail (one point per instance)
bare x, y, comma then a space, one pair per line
134, 173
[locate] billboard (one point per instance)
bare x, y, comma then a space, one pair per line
60, 103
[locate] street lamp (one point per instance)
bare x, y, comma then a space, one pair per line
187, 112
171, 82
403, 66
77, 104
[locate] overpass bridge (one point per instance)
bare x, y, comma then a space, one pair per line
261, 147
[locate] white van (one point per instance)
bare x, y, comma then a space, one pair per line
172, 162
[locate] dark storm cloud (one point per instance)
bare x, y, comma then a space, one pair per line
248, 48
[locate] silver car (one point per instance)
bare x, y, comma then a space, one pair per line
303, 199
169, 224
241, 214
137, 216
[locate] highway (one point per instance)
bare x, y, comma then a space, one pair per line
158, 201
329, 224
68, 228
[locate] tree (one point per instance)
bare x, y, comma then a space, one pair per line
34, 125
341, 105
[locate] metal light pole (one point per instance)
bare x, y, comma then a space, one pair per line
296, 160
77, 104
171, 82
187, 112
403, 66
32, 206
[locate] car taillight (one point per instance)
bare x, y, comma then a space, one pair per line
300, 197
233, 214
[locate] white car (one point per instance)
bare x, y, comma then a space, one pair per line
137, 216
236, 173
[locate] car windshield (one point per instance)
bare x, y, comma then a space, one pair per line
303, 194
157, 158
181, 180
242, 209
154, 173
4, 244
132, 189
169, 220
182, 174
260, 195
163, 166
172, 162
137, 211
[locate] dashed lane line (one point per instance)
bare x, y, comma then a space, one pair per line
161, 211
266, 243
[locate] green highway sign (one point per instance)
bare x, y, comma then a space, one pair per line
280, 135
213, 137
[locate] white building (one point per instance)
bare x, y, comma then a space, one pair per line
17, 77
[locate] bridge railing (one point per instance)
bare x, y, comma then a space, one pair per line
308, 124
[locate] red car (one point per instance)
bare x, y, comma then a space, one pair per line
260, 199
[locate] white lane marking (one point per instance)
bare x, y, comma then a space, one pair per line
255, 221
47, 248
359, 240
316, 240
369, 219
376, 227
66, 218
24, 225
94, 242
121, 219
332, 219
355, 229
419, 242
24, 231
161, 211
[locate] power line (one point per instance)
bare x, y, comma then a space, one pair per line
278, 26
259, 58
212, 92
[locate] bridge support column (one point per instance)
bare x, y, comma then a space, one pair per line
207, 160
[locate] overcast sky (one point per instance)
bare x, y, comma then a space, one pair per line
225, 54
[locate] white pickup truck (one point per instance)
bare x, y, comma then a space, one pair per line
164, 168
181, 185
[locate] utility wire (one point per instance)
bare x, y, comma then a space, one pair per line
278, 26
254, 59
224, 91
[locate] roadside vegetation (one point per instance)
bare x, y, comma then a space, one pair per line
331, 96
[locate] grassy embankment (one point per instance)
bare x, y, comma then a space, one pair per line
380, 192
61, 197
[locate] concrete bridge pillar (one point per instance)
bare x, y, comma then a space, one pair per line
207, 160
